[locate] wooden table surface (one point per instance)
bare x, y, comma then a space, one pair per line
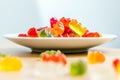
29, 59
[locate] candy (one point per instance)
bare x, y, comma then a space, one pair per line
115, 62
92, 34
118, 68
40, 28
78, 68
32, 32
65, 21
68, 32
10, 64
44, 33
94, 57
77, 27
54, 56
53, 21
22, 35
58, 28
116, 65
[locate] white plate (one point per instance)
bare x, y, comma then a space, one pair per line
60, 43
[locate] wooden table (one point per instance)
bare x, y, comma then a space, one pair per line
29, 59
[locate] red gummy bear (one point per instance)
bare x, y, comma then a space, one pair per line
53, 21
65, 21
32, 32
22, 35
91, 34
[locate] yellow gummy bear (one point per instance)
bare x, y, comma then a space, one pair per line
77, 27
10, 64
118, 68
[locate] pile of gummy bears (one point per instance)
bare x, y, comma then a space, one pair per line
64, 27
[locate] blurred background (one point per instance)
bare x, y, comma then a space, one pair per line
18, 16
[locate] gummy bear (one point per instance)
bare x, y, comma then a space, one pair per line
91, 34
32, 32
77, 27
78, 68
45, 32
68, 32
22, 35
116, 65
54, 56
53, 21
95, 57
118, 68
8, 63
40, 28
58, 28
65, 21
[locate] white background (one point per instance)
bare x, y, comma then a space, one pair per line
17, 16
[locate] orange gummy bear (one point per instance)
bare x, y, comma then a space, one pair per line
58, 28
95, 57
